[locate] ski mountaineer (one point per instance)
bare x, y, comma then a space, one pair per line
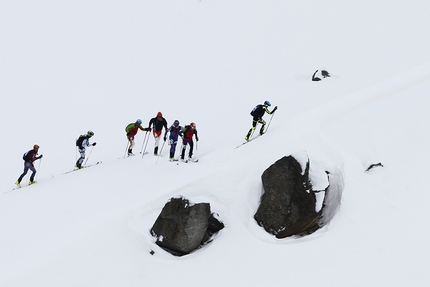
82, 143
157, 124
131, 130
187, 138
29, 157
258, 113
174, 131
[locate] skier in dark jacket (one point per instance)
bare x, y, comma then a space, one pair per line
131, 130
157, 124
29, 157
257, 113
187, 138
82, 143
174, 131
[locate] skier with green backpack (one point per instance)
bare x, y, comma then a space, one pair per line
131, 131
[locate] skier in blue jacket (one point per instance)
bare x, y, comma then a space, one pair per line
174, 131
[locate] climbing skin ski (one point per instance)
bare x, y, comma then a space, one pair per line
76, 169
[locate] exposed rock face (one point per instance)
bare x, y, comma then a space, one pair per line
288, 203
374, 165
318, 75
182, 227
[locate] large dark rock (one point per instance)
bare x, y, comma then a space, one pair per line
182, 227
288, 203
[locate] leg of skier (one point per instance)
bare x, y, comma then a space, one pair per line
81, 159
33, 174
190, 153
131, 144
263, 125
251, 130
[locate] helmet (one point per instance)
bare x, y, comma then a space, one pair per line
193, 125
267, 103
159, 114
90, 133
176, 123
36, 146
138, 121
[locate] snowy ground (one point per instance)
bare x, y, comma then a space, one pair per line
66, 68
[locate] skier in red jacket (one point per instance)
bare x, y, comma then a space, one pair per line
187, 138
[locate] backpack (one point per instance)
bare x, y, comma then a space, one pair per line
26, 156
80, 140
253, 110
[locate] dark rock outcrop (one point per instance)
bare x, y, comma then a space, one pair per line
322, 74
182, 227
288, 203
374, 165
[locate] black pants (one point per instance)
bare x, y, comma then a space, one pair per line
256, 120
184, 147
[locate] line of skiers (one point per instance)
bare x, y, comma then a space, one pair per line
175, 131
155, 125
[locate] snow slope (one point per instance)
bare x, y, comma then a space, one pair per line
71, 67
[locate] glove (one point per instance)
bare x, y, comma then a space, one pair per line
41, 156
274, 110
148, 129
94, 144
197, 139
164, 138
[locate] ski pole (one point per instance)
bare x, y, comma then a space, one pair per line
126, 146
143, 143
88, 156
38, 168
147, 140
160, 152
269, 122
162, 148
195, 152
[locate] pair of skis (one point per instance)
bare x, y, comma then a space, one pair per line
248, 141
20, 186
191, 160
76, 169
185, 160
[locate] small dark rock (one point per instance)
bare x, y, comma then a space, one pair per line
374, 165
